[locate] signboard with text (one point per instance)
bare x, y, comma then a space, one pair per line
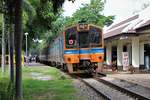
125, 60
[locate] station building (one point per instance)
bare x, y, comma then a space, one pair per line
131, 35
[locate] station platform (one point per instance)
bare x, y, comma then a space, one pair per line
138, 77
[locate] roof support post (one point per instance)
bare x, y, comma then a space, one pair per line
135, 52
108, 53
119, 53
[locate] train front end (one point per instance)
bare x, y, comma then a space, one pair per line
83, 48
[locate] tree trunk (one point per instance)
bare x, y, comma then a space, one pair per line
11, 53
11, 41
18, 48
3, 45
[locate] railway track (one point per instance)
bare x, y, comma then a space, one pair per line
105, 91
111, 91
133, 90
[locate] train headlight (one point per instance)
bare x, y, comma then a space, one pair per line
82, 27
96, 64
69, 59
100, 57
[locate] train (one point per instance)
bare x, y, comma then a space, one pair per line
79, 49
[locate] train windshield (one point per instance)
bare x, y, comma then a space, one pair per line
95, 37
83, 39
71, 38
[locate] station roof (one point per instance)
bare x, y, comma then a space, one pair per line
131, 25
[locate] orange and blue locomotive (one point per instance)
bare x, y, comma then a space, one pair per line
79, 49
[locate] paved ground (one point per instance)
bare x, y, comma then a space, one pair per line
33, 64
141, 79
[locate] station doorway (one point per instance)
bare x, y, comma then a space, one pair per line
114, 53
147, 56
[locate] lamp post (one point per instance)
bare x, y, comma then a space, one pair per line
26, 34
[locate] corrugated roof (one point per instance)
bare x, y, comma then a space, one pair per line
130, 24
143, 24
116, 31
123, 22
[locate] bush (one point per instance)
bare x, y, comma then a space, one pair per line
6, 89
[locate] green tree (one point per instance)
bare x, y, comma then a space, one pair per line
1, 20
91, 13
42, 23
45, 14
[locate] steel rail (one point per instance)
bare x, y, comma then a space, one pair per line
124, 90
98, 92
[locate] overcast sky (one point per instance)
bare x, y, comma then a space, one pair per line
120, 8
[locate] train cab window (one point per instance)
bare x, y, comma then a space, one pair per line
95, 37
83, 39
71, 38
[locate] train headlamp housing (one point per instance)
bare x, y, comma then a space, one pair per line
69, 59
100, 57
82, 27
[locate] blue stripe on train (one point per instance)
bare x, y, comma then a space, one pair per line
93, 50
97, 50
71, 52
84, 51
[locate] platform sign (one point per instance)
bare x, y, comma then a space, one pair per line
125, 60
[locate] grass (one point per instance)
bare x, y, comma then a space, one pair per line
6, 87
56, 89
59, 88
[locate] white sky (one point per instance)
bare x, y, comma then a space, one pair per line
120, 8
70, 7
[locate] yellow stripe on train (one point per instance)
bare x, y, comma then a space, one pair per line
71, 58
75, 58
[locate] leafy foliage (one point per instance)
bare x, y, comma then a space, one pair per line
42, 20
41, 23
1, 24
58, 4
91, 13
2, 6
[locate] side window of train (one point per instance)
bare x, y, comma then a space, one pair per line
71, 38
95, 36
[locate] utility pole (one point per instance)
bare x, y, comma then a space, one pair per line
26, 34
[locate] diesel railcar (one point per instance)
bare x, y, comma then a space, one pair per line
79, 49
